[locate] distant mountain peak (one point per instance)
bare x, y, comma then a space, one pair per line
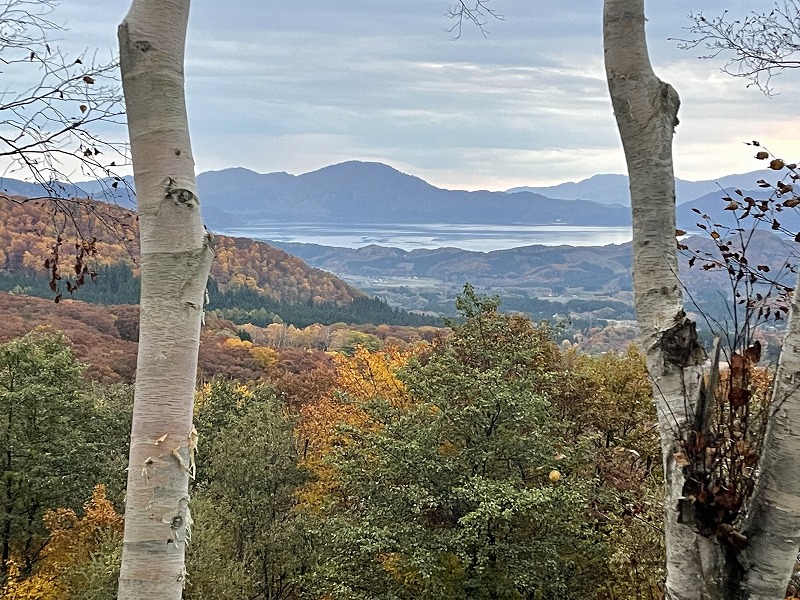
357, 175
233, 171
363, 168
613, 188
364, 191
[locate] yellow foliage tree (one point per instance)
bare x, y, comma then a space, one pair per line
264, 356
74, 542
367, 375
28, 588
359, 378
235, 342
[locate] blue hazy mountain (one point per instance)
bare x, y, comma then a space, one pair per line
364, 192
357, 192
713, 206
101, 189
613, 189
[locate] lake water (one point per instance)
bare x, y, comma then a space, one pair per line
482, 238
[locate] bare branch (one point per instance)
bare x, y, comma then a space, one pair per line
24, 24
476, 12
758, 47
50, 117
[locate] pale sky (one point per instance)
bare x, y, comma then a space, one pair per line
300, 84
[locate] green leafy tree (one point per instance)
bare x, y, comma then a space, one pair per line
109, 428
608, 399
357, 339
47, 455
469, 493
251, 543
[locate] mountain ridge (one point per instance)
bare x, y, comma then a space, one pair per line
358, 192
364, 192
613, 188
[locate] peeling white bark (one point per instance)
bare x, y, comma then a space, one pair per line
773, 520
176, 256
646, 110
698, 568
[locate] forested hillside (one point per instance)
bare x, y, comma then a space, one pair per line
481, 462
250, 281
108, 235
105, 337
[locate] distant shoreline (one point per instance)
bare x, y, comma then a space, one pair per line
431, 236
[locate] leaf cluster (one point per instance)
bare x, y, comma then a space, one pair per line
59, 439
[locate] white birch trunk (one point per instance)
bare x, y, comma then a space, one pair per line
176, 256
773, 520
697, 567
646, 112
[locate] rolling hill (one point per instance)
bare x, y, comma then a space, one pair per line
544, 267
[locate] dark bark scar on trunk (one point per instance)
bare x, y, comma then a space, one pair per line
680, 345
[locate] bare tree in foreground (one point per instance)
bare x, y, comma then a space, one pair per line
712, 553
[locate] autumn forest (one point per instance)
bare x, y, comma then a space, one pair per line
480, 459
187, 415
444, 460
